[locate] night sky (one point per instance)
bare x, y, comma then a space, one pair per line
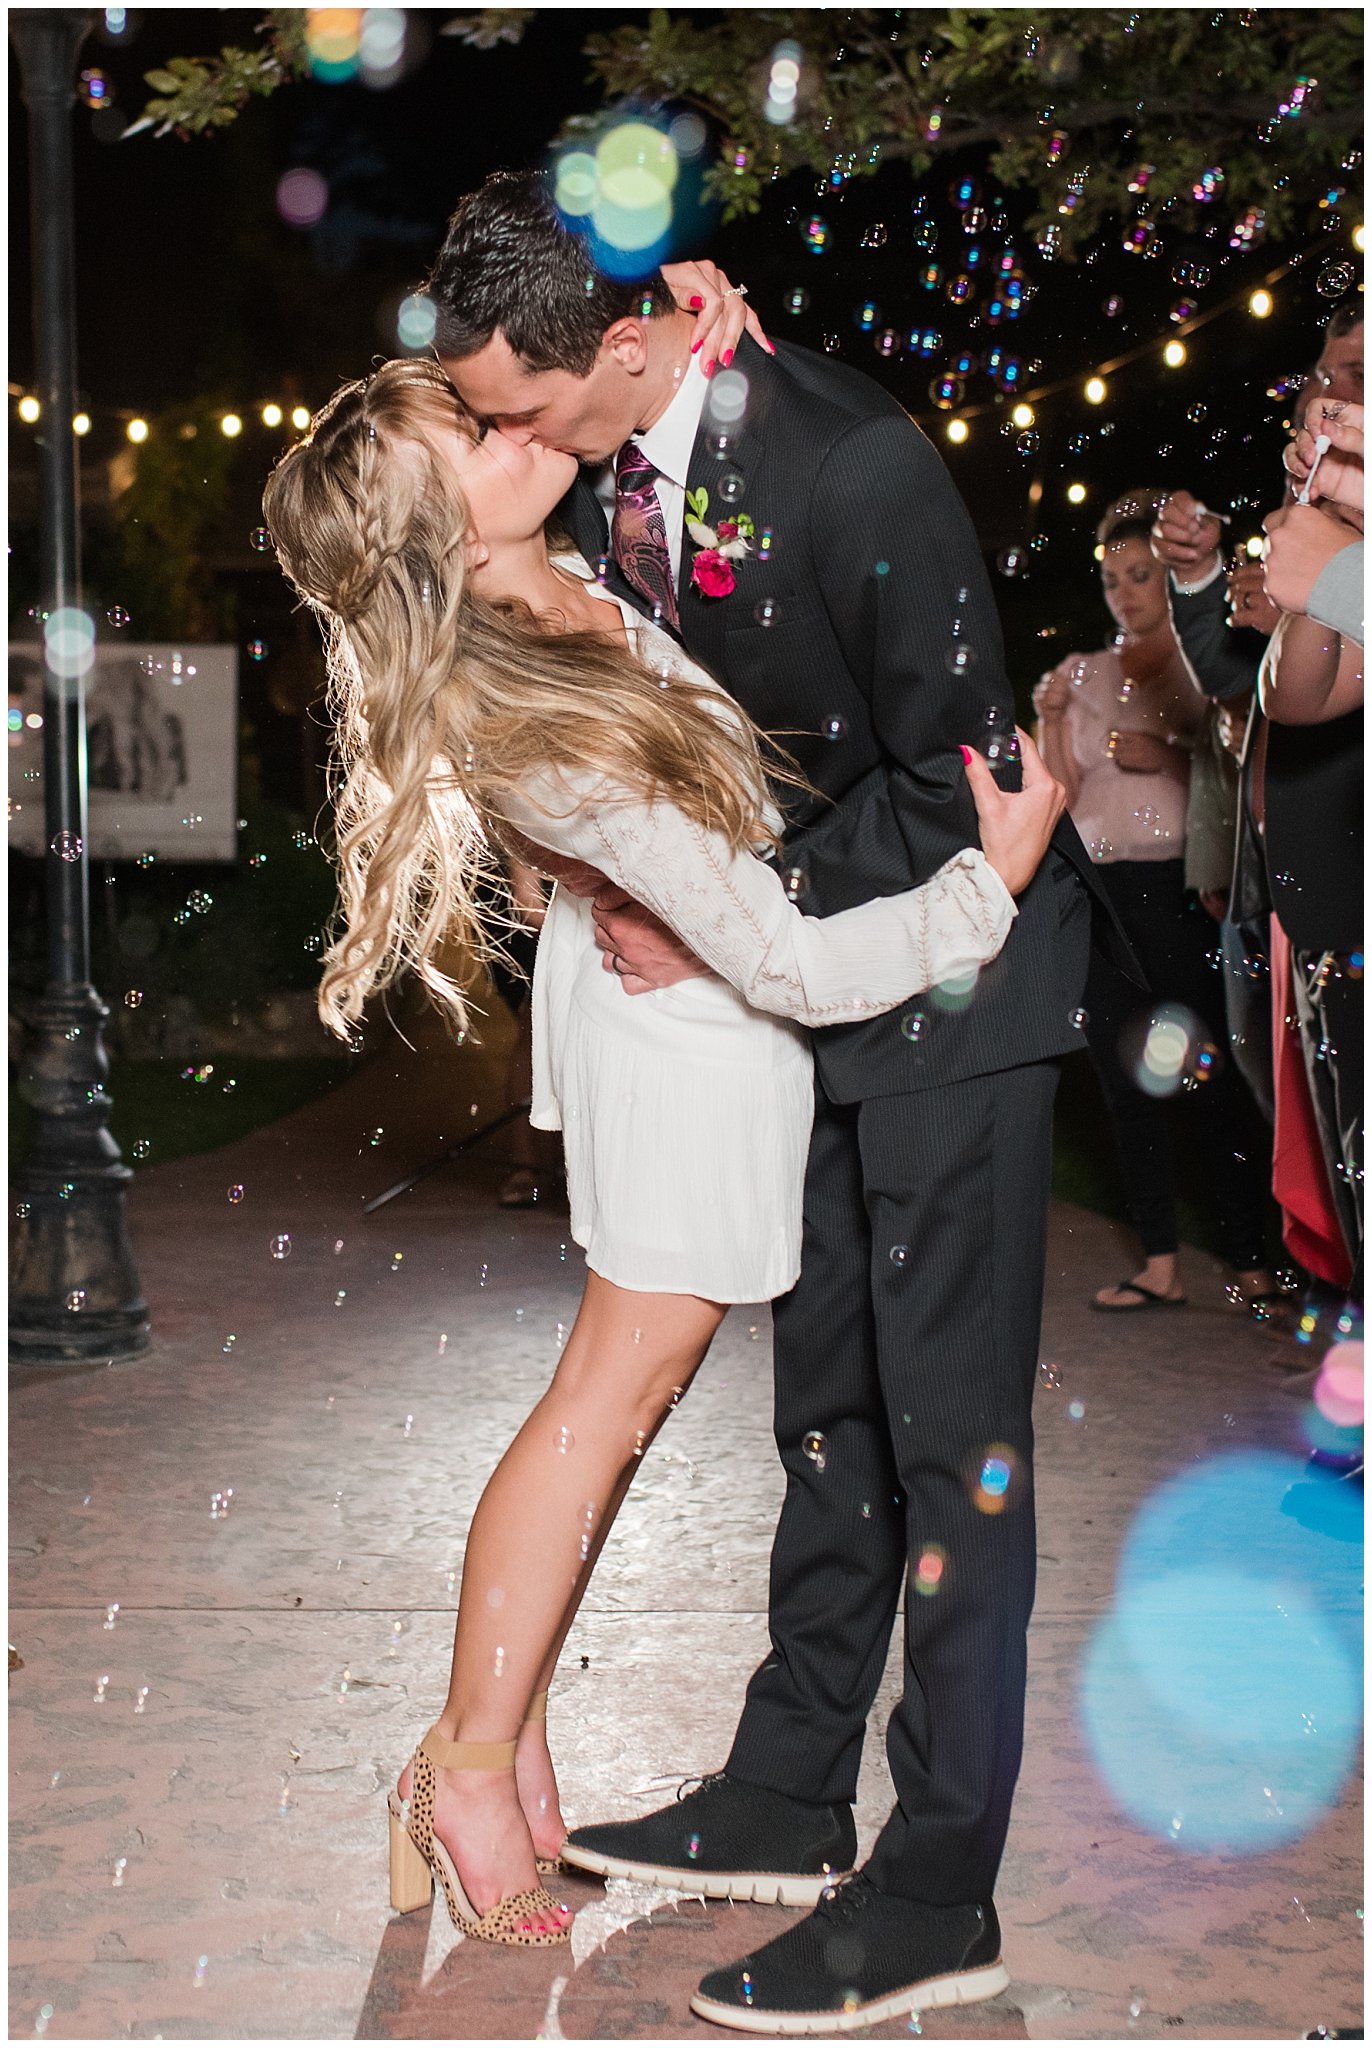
189, 281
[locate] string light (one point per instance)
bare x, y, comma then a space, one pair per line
231, 426
81, 424
1076, 494
1095, 390
1360, 237
1023, 415
300, 417
957, 431
1260, 304
1253, 546
137, 431
29, 410
1174, 355
272, 415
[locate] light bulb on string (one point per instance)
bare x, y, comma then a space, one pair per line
137, 431
1260, 304
272, 415
1023, 415
957, 431
29, 411
1095, 391
1174, 355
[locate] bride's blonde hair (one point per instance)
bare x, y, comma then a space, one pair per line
445, 702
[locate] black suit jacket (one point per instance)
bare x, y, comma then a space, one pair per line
864, 678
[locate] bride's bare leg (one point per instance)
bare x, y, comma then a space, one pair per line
535, 1534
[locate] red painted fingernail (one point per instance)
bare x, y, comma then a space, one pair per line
966, 753
696, 304
727, 357
710, 367
694, 346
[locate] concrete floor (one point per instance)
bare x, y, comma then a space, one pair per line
197, 1792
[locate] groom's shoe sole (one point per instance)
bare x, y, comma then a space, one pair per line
961, 1987
756, 1887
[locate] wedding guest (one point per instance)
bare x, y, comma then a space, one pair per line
1311, 684
1312, 564
1221, 622
1117, 730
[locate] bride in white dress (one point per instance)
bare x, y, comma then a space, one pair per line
489, 698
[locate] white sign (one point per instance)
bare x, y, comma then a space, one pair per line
162, 751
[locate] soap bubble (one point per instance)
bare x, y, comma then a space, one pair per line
767, 611
1335, 279
1011, 561
816, 1449
731, 486
929, 1569
996, 1480
1167, 1050
117, 615
961, 658
834, 728
76, 1300
911, 1025
281, 1246
260, 541
67, 846
899, 1255
133, 997
563, 1440
1027, 443
236, 1192
874, 237
797, 300
257, 650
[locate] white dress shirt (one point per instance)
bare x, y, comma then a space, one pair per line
667, 445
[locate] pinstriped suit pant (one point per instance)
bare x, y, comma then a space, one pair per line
910, 1346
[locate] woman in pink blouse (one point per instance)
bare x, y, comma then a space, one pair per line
1116, 729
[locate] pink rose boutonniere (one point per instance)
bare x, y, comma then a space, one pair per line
718, 547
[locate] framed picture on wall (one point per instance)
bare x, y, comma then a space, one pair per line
162, 751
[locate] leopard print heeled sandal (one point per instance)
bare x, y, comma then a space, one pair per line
418, 1856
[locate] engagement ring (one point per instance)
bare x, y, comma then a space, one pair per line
736, 291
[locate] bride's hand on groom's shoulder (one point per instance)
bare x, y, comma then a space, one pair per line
722, 312
1016, 825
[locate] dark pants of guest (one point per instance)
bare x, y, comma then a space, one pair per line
1177, 945
1329, 1007
1248, 1007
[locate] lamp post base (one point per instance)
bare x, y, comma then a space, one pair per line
74, 1292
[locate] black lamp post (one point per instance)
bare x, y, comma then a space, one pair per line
74, 1292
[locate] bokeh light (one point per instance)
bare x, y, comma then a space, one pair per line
302, 197
1076, 494
300, 417
381, 46
1260, 304
69, 641
137, 431
1221, 1696
272, 415
333, 42
623, 196
30, 410
231, 426
1168, 1049
81, 423
1174, 355
1023, 415
1095, 391
957, 431
416, 321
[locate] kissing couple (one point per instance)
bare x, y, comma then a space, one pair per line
717, 653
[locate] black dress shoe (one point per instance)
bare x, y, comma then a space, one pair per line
725, 1840
861, 1957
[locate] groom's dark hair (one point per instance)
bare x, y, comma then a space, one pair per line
508, 263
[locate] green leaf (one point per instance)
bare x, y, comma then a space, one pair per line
698, 504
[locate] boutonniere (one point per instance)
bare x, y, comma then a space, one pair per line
718, 547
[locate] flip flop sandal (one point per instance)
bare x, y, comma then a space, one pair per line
1148, 1298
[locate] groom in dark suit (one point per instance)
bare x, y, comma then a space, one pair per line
796, 529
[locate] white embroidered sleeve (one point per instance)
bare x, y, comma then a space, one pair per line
733, 911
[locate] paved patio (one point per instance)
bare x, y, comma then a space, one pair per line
276, 1499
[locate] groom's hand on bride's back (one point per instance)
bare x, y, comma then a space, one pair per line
638, 947
1016, 825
